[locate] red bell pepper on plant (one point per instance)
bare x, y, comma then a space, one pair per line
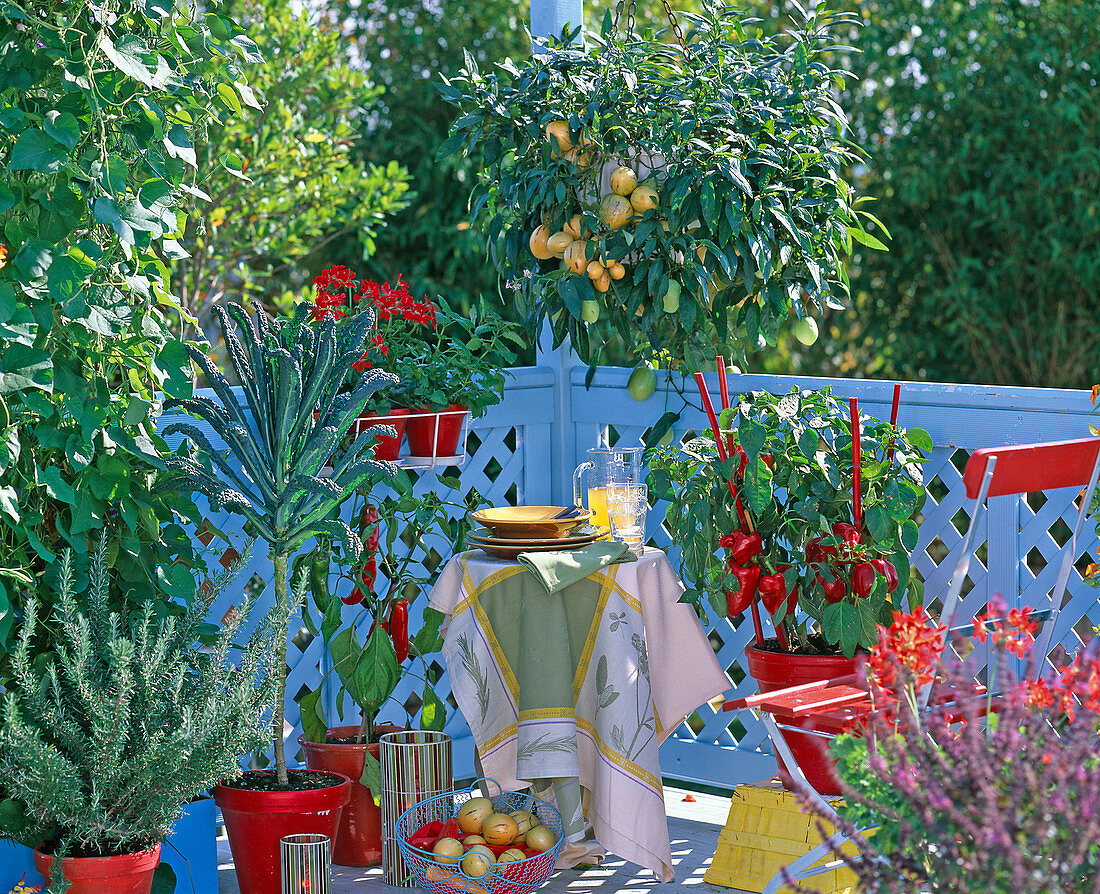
742, 546
888, 571
773, 591
816, 553
747, 577
399, 628
848, 533
834, 590
863, 579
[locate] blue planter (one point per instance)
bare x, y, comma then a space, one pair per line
15, 861
191, 850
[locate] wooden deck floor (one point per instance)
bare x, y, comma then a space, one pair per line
693, 826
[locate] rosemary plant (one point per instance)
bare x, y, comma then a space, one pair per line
291, 376
103, 739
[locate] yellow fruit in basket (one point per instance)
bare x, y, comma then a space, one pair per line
450, 880
471, 840
644, 198
482, 849
616, 269
558, 131
472, 814
512, 855
575, 227
623, 180
524, 821
448, 850
538, 245
558, 243
615, 211
576, 255
540, 838
475, 864
499, 829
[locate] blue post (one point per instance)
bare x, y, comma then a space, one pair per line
550, 17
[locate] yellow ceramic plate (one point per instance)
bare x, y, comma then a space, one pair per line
528, 522
482, 536
502, 551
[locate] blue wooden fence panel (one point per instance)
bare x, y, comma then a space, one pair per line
524, 451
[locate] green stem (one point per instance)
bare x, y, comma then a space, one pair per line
278, 719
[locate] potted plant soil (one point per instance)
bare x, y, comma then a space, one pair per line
397, 535
291, 375
129, 717
782, 510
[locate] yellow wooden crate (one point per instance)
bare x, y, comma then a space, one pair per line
766, 830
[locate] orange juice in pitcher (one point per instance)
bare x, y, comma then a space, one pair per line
606, 466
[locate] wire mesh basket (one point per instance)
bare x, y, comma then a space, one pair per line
519, 877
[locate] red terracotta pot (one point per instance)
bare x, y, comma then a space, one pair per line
256, 821
386, 448
426, 439
358, 840
124, 874
777, 670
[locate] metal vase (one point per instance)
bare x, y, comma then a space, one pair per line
306, 864
416, 765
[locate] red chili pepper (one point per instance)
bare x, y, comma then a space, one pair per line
354, 597
834, 590
399, 628
744, 463
816, 553
368, 575
848, 533
887, 570
745, 546
773, 591
747, 577
863, 579
367, 518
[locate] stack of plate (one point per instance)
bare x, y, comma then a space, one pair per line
511, 530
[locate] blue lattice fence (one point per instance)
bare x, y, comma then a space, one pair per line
525, 449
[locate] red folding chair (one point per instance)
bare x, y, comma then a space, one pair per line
832, 705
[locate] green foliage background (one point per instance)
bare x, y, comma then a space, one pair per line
983, 126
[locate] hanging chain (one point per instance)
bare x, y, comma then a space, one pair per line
676, 29
631, 10
618, 12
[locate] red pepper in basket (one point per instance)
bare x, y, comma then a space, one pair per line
399, 628
888, 571
773, 591
450, 829
740, 601
863, 579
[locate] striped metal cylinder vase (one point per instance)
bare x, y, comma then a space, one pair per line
416, 765
306, 863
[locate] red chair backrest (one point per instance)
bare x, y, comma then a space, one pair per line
1033, 467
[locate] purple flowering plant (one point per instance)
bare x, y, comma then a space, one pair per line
999, 795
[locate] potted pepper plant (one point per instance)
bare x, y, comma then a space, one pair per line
277, 446
128, 717
682, 197
795, 517
365, 627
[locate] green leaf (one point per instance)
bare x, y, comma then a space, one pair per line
56, 486
372, 775
7, 198
433, 715
35, 150
752, 436
427, 639
63, 127
807, 443
376, 672
758, 484
862, 236
878, 522
229, 96
178, 145
920, 439
901, 500
314, 725
914, 596
23, 367
33, 259
910, 532
66, 278
128, 56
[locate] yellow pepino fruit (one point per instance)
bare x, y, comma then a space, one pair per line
558, 243
623, 180
558, 133
538, 243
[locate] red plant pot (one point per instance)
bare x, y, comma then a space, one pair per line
386, 448
256, 822
123, 874
435, 434
358, 839
777, 670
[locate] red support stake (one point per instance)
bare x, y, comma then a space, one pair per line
709, 407
857, 496
723, 385
757, 627
894, 419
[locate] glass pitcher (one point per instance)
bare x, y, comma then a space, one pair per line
606, 466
